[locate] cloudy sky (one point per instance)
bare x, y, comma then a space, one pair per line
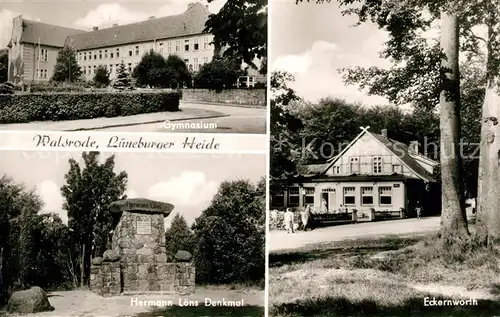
189, 181
84, 15
312, 41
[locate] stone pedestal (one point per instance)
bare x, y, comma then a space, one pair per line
139, 242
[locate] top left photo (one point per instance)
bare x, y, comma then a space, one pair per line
169, 66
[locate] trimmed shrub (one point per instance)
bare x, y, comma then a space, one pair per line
51, 87
7, 88
89, 105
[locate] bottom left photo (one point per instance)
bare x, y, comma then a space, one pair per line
132, 234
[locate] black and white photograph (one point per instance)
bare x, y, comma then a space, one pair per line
132, 234
134, 66
383, 194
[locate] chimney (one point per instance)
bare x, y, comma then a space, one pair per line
115, 25
95, 28
151, 17
413, 147
384, 133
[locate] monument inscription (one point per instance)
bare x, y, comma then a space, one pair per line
144, 226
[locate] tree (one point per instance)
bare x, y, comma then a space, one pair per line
179, 237
87, 193
4, 65
101, 77
177, 73
285, 127
241, 25
122, 80
152, 71
453, 219
220, 73
230, 235
66, 68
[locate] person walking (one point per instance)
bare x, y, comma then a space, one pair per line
418, 209
289, 221
306, 217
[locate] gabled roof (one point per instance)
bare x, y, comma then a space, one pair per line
192, 21
398, 149
311, 169
47, 34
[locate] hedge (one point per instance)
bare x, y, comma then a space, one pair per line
87, 105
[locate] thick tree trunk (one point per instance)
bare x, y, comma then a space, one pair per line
488, 218
453, 219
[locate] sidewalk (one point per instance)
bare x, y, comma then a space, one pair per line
101, 123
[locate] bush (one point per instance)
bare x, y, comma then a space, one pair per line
54, 87
88, 105
220, 73
7, 88
101, 77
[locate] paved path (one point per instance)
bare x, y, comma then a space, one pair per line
229, 119
280, 240
235, 120
85, 303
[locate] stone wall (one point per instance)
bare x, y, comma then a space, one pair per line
253, 97
184, 278
105, 277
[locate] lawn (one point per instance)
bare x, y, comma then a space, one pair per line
389, 276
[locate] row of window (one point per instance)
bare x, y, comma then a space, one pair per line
136, 50
354, 166
349, 196
90, 70
41, 73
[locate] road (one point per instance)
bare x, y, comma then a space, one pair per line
235, 120
280, 240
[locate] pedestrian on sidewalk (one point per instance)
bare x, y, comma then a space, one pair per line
418, 209
289, 221
306, 217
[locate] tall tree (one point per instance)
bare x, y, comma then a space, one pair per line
285, 127
122, 80
220, 73
179, 237
152, 71
88, 191
230, 230
453, 218
67, 68
101, 77
241, 25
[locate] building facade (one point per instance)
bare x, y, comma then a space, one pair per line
33, 50
372, 174
34, 46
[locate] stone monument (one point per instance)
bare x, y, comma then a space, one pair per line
138, 262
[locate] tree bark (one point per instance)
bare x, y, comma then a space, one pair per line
82, 267
453, 218
488, 217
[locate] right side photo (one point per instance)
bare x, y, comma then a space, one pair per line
383, 185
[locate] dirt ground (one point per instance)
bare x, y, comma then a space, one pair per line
280, 240
83, 303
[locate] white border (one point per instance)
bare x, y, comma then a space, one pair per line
227, 143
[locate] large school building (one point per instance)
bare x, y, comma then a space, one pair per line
34, 46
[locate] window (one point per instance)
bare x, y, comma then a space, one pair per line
177, 46
84, 71
377, 165
90, 56
79, 56
37, 73
169, 47
366, 195
205, 43
110, 68
336, 170
354, 165
43, 55
308, 196
95, 56
396, 168
100, 54
137, 51
278, 199
161, 48
85, 56
205, 60
117, 53
129, 67
293, 197
195, 45
130, 52
349, 195
385, 194
186, 45
105, 53
45, 73
90, 70
186, 61
111, 55
195, 63
95, 67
